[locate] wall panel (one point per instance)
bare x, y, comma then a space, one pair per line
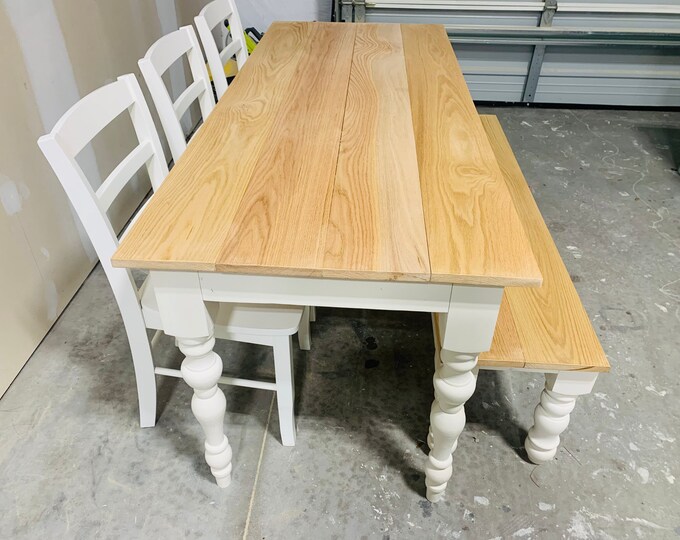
52, 53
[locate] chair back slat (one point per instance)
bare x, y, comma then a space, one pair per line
230, 50
167, 50
218, 53
93, 113
186, 98
121, 175
162, 54
216, 13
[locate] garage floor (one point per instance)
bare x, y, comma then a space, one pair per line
74, 464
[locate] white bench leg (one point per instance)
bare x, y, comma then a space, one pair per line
464, 331
551, 416
304, 335
285, 388
201, 369
312, 313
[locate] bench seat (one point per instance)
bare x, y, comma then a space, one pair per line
541, 328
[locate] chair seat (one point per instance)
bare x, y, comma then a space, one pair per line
247, 319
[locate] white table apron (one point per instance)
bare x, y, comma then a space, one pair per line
466, 329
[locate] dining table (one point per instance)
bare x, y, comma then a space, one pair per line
345, 166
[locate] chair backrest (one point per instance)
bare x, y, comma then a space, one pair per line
217, 51
73, 132
162, 54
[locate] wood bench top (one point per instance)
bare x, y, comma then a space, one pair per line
543, 328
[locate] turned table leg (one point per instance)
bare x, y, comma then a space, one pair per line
454, 383
201, 369
551, 416
185, 316
465, 331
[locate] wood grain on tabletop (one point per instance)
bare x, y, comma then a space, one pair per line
376, 225
192, 217
314, 161
554, 329
474, 234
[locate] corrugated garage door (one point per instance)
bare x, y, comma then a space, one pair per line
552, 51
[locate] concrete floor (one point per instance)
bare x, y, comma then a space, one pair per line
74, 464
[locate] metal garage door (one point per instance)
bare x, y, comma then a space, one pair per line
553, 51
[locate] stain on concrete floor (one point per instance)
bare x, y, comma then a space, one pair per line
74, 464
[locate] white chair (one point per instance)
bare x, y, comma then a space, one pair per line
210, 21
162, 54
265, 325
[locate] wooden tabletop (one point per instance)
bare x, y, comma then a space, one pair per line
343, 151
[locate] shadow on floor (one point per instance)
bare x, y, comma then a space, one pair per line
367, 362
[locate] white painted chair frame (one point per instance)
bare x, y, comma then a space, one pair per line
70, 135
212, 16
264, 325
158, 59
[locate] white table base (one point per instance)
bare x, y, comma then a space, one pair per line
466, 329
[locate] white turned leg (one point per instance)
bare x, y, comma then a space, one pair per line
285, 388
186, 317
460, 335
312, 313
304, 335
551, 416
201, 369
454, 384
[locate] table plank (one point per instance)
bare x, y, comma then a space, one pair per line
185, 225
474, 234
279, 227
376, 227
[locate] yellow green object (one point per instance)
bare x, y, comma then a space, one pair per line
230, 68
250, 43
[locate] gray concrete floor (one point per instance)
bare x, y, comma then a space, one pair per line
74, 464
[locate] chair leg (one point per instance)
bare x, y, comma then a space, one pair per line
145, 376
312, 313
285, 388
304, 337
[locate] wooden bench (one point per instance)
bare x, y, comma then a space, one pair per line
543, 329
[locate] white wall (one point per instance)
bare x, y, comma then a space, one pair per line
52, 53
261, 13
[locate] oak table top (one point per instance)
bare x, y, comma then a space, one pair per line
349, 151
